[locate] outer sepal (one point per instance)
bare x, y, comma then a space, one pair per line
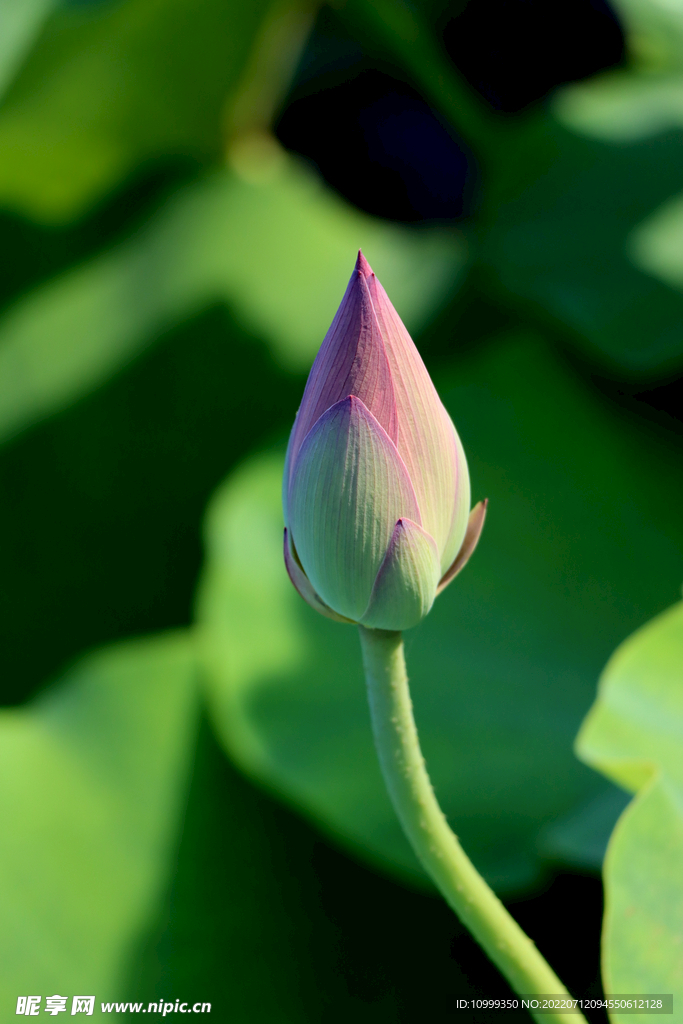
475, 525
302, 585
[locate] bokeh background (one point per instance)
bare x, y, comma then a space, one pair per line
190, 803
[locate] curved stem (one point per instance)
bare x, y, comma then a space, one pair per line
424, 823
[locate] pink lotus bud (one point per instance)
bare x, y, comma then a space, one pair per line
376, 490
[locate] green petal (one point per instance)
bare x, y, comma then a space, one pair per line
349, 486
302, 584
460, 508
405, 587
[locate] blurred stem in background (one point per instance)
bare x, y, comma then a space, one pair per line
251, 147
425, 825
415, 48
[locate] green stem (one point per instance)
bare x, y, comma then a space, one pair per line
424, 823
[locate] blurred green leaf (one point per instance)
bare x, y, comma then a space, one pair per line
248, 901
124, 879
112, 85
655, 33
562, 229
582, 540
557, 208
278, 249
634, 734
581, 837
92, 780
556, 229
257, 893
622, 107
656, 244
20, 22
646, 97
638, 105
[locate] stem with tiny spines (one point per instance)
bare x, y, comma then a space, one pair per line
425, 825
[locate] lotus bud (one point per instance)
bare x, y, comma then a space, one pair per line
376, 490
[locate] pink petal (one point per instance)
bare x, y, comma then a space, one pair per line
352, 361
427, 441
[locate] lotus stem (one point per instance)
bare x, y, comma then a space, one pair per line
425, 826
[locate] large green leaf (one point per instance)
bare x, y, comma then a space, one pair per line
643, 99
581, 540
638, 105
108, 86
573, 188
634, 735
92, 780
656, 244
278, 249
561, 209
622, 107
124, 879
271, 923
246, 922
20, 21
